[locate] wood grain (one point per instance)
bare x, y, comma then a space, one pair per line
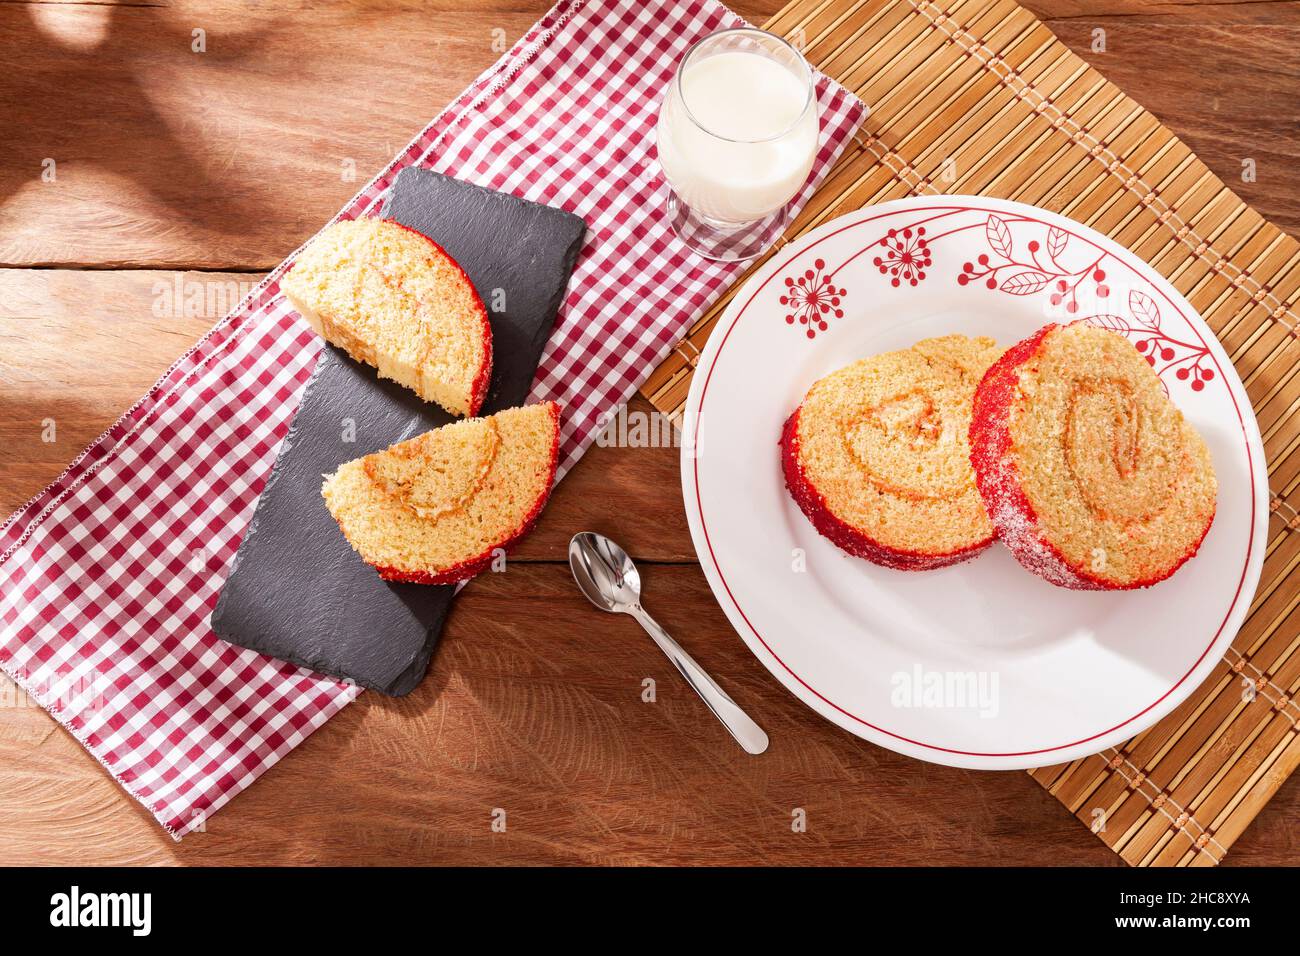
77, 348
223, 162
547, 722
1222, 77
229, 158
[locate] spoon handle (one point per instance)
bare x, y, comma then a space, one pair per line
748, 734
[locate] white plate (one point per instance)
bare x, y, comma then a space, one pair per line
982, 665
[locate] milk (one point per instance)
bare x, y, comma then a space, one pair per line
747, 143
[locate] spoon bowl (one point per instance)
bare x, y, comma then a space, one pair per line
608, 577
604, 572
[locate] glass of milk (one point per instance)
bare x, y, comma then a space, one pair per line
736, 138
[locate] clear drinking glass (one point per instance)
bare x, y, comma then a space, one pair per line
736, 138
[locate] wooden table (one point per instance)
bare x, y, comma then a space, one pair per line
207, 168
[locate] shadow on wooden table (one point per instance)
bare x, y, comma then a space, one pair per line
81, 90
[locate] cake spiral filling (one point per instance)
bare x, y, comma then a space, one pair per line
437, 473
1091, 474
442, 506
914, 421
877, 456
1123, 469
393, 299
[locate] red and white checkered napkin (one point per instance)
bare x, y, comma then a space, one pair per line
110, 574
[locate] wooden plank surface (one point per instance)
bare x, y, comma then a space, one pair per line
221, 162
229, 158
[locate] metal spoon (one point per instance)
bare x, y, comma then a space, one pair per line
610, 580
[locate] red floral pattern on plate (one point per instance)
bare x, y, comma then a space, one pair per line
906, 256
1188, 361
1024, 257
812, 298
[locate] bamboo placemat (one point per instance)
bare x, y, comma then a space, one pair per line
978, 96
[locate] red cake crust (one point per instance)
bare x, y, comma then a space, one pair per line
998, 480
846, 536
475, 566
483, 376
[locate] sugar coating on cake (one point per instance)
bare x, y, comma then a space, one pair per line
438, 507
392, 298
1091, 475
877, 458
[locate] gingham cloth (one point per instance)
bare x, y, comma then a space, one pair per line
109, 575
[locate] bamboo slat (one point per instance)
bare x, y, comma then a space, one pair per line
977, 96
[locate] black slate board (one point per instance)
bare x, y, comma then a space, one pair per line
296, 590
